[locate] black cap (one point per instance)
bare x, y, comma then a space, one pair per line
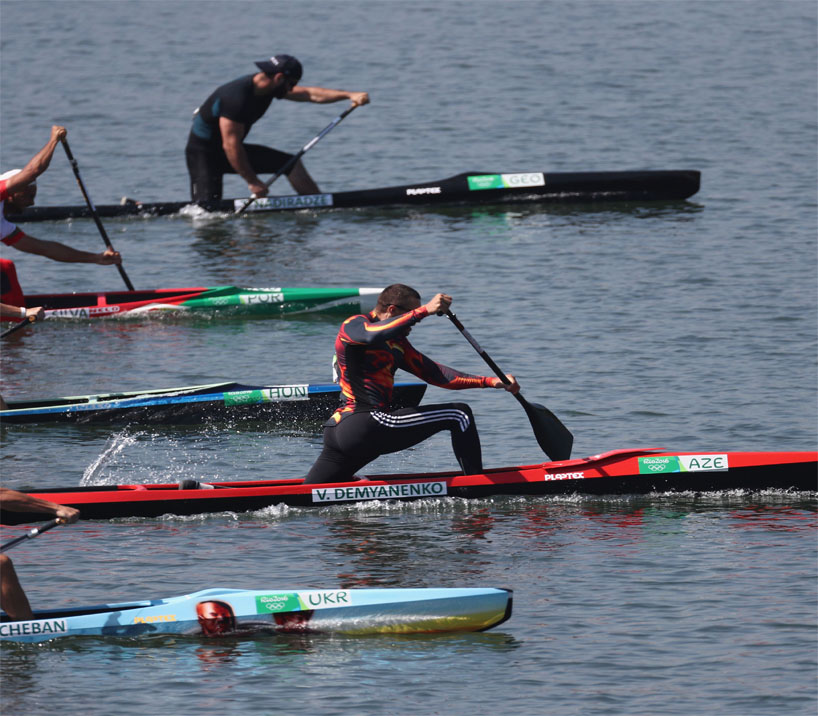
282, 63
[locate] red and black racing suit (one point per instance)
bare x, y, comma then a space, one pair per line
369, 352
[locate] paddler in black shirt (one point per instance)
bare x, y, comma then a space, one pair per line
216, 143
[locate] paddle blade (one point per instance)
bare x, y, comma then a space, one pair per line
554, 438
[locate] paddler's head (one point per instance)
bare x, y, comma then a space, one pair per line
283, 71
20, 197
395, 300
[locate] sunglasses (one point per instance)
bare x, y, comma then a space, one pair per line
292, 81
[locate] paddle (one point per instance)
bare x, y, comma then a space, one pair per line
93, 209
17, 326
554, 438
291, 162
31, 534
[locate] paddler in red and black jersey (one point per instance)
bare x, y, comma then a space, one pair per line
17, 191
369, 349
216, 147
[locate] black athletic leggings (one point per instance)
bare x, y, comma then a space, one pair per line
361, 437
207, 168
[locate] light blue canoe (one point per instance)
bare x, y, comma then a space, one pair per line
239, 612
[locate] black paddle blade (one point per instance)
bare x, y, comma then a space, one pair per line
554, 438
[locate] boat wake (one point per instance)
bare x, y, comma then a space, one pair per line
198, 214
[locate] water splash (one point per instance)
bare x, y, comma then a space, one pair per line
116, 444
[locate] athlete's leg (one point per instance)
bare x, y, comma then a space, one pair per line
13, 599
405, 427
265, 160
361, 437
347, 448
301, 181
269, 161
205, 178
333, 466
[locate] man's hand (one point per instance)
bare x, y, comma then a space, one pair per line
58, 133
439, 304
258, 190
513, 387
37, 311
108, 257
359, 98
67, 514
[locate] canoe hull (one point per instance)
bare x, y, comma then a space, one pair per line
228, 402
236, 613
631, 471
229, 301
469, 188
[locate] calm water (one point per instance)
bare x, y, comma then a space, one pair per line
688, 325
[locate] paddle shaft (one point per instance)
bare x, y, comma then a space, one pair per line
485, 356
17, 326
553, 437
93, 209
31, 534
291, 162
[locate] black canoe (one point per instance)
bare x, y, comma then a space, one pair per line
470, 188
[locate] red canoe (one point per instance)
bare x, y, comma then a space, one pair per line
632, 471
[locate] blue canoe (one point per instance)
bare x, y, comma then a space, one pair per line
238, 612
197, 403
